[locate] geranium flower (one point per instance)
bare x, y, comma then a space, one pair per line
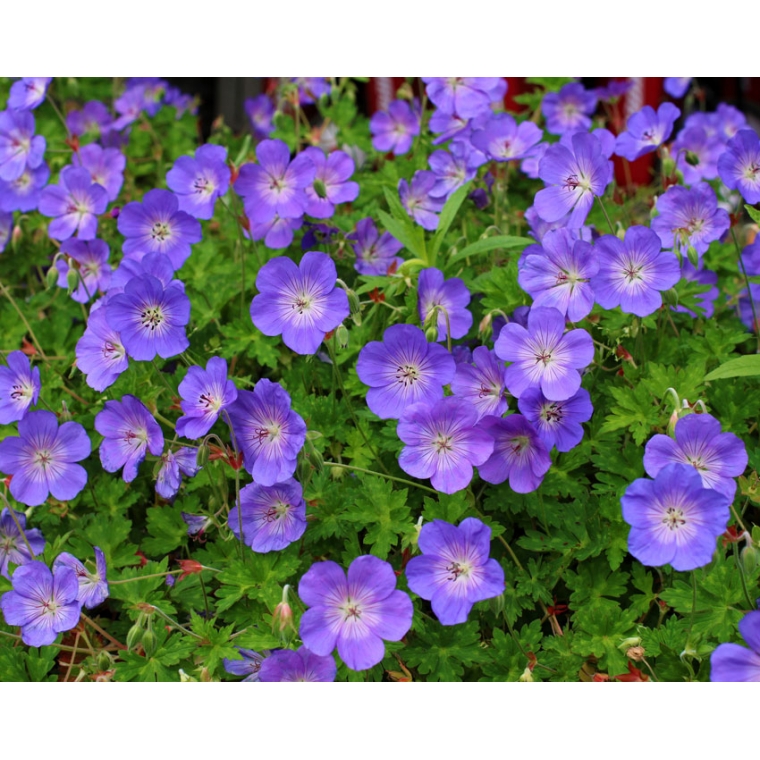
269, 433
558, 423
175, 464
451, 295
20, 148
75, 203
273, 517
93, 586
19, 387
739, 165
198, 182
205, 393
646, 130
483, 384
42, 459
90, 259
13, 548
44, 604
331, 184
568, 110
674, 519
100, 353
250, 664
353, 612
106, 167
301, 665
299, 302
443, 442
129, 432
395, 129
375, 253
733, 662
454, 571
28, 92
418, 201
718, 457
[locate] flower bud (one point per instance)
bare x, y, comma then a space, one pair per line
319, 188
431, 334
202, 455
670, 297
134, 637
693, 256
185, 678
354, 304
341, 335
64, 415
104, 661
51, 278
115, 211
484, 328
72, 279
16, 236
692, 159
315, 459
282, 617
636, 653
336, 473
149, 643
749, 557
527, 676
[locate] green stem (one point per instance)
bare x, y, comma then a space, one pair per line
382, 475
604, 211
175, 623
742, 577
13, 303
103, 633
755, 324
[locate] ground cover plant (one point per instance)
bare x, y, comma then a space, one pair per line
426, 395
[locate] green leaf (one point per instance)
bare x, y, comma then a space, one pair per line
498, 242
743, 366
384, 514
39, 661
753, 212
445, 651
446, 218
167, 530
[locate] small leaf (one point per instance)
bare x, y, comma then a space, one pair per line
448, 214
743, 366
753, 212
505, 242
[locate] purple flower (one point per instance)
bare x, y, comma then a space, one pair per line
331, 183
302, 665
301, 303
451, 296
483, 385
181, 102
19, 147
466, 97
150, 318
6, 226
733, 662
676, 86
443, 442
717, 457
529, 165
196, 524
353, 612
674, 519
275, 186
646, 131
704, 277
318, 233
28, 92
276, 233
454, 570
418, 202
269, 433
557, 274
205, 393
394, 130
250, 665
697, 154
260, 112
558, 423
273, 517
634, 271
198, 182
729, 121
129, 106
100, 353
448, 126
44, 604
75, 203
519, 454
94, 117
90, 259
403, 370
689, 217
739, 165
543, 355
175, 464
129, 430
454, 167
42, 459
106, 167
375, 253
156, 225
568, 110
19, 387
575, 177
23, 193
311, 89
613, 90
13, 548
503, 140
93, 586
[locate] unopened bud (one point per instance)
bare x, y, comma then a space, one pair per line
484, 328
185, 678
341, 335
65, 414
149, 643
749, 557
134, 637
115, 211
316, 460
336, 473
51, 278
72, 279
104, 661
691, 252
670, 297
431, 334
692, 159
202, 455
320, 189
353, 302
16, 236
527, 676
282, 617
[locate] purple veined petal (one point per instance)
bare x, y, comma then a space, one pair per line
319, 629
322, 583
735, 663
394, 616
359, 647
